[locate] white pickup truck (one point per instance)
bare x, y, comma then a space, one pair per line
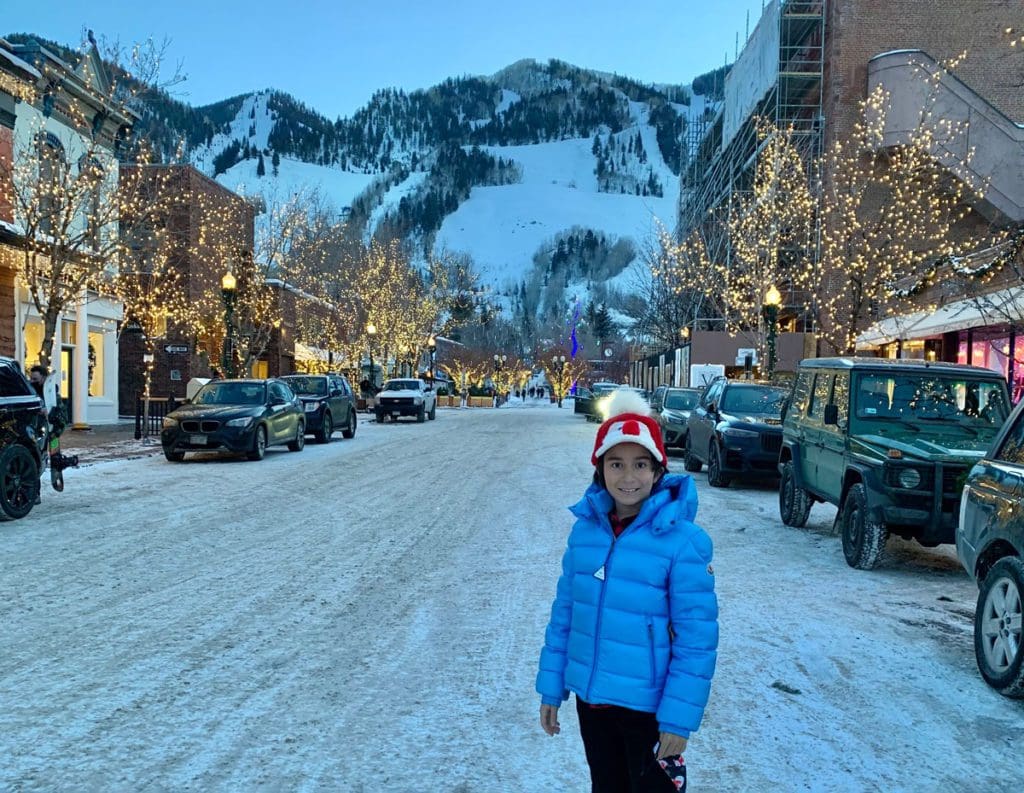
406, 397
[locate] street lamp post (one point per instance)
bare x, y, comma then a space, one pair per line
227, 294
498, 361
371, 331
432, 347
772, 301
558, 364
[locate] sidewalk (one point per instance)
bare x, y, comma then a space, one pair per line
108, 442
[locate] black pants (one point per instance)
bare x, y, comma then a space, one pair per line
619, 743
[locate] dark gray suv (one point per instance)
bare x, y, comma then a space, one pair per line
990, 544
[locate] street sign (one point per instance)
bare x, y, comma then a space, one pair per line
746, 352
176, 349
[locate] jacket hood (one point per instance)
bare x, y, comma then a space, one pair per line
674, 497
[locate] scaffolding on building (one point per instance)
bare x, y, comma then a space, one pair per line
724, 147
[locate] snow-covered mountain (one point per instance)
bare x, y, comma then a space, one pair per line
508, 170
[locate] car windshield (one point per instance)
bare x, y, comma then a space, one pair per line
681, 400
402, 385
604, 388
225, 392
753, 399
311, 386
927, 397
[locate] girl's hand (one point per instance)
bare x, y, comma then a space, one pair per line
549, 719
671, 744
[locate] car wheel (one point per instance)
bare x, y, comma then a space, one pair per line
715, 476
433, 412
997, 628
421, 414
174, 457
19, 482
259, 444
350, 431
863, 538
794, 502
299, 443
326, 429
690, 462
379, 414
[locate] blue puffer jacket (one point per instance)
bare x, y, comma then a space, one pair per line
608, 639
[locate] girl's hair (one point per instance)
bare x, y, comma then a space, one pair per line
659, 470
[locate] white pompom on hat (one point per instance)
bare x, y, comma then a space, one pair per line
629, 421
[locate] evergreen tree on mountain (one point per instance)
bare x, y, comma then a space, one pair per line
276, 162
261, 168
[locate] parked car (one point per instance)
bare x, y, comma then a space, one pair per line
22, 439
328, 402
889, 442
673, 407
735, 430
587, 399
241, 416
990, 544
406, 397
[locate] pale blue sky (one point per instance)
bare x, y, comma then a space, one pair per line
334, 55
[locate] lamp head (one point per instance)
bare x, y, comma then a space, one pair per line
371, 329
773, 297
228, 282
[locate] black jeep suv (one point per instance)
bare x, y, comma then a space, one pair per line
889, 442
736, 429
22, 441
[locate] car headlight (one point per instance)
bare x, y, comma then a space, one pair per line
736, 432
169, 423
311, 407
909, 478
245, 421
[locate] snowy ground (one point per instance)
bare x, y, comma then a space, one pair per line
366, 616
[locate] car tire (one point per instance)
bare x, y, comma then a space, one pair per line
19, 482
379, 415
421, 414
174, 457
794, 502
350, 431
299, 443
690, 462
259, 444
326, 429
998, 644
715, 476
433, 412
863, 539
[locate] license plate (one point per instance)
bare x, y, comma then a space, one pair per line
197, 440
395, 415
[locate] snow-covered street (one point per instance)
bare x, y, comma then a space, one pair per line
367, 615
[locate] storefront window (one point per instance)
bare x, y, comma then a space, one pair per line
95, 363
33, 339
260, 369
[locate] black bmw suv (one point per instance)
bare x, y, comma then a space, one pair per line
736, 429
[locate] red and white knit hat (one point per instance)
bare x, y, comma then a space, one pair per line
629, 421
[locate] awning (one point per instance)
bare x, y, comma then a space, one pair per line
307, 354
993, 309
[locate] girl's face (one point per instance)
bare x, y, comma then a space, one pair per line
629, 475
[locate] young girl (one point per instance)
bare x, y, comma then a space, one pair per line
634, 625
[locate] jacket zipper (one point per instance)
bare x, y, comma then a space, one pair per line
650, 646
600, 614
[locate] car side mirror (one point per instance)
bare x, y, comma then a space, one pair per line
336, 392
832, 414
712, 407
277, 400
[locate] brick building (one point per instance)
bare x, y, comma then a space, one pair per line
809, 63
179, 356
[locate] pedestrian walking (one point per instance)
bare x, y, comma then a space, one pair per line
634, 624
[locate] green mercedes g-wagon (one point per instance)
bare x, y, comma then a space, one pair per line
889, 442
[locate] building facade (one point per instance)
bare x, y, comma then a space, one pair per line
809, 64
63, 115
